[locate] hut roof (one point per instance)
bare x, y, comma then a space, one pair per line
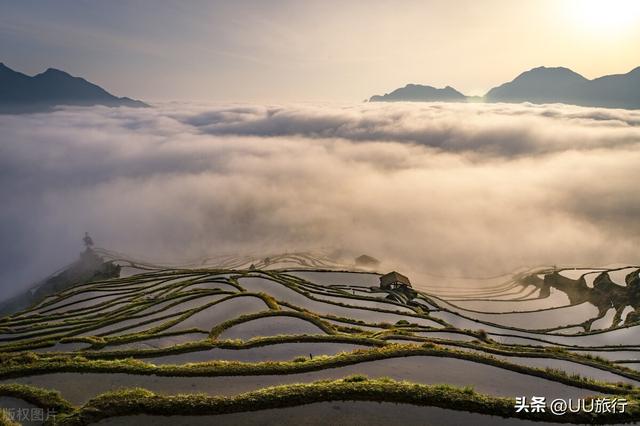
394, 278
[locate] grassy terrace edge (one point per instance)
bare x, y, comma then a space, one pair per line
32, 364
356, 388
293, 282
372, 342
353, 388
37, 396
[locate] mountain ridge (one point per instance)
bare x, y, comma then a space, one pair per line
421, 92
542, 85
52, 87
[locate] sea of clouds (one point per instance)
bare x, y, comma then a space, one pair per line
472, 189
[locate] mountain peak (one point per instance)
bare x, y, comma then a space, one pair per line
545, 68
543, 85
22, 93
10, 76
421, 93
538, 85
53, 72
551, 72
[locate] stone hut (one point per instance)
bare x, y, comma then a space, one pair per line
394, 280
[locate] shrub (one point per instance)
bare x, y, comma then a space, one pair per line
356, 378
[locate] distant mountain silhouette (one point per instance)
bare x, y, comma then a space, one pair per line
551, 85
21, 93
419, 93
540, 85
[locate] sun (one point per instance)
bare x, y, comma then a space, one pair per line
605, 16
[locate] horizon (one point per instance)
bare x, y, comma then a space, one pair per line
282, 51
452, 86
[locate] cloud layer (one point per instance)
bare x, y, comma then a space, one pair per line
446, 188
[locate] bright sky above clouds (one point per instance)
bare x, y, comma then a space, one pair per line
283, 50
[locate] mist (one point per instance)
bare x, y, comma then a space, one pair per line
473, 189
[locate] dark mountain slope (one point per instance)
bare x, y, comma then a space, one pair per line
561, 85
420, 93
539, 85
21, 93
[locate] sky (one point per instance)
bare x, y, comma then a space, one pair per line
329, 50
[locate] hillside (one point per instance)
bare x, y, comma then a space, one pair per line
22, 93
539, 85
561, 85
419, 93
87, 267
241, 336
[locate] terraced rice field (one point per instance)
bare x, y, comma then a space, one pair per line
325, 338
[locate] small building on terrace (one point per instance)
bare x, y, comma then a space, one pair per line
394, 280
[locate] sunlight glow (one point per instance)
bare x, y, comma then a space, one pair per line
605, 16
